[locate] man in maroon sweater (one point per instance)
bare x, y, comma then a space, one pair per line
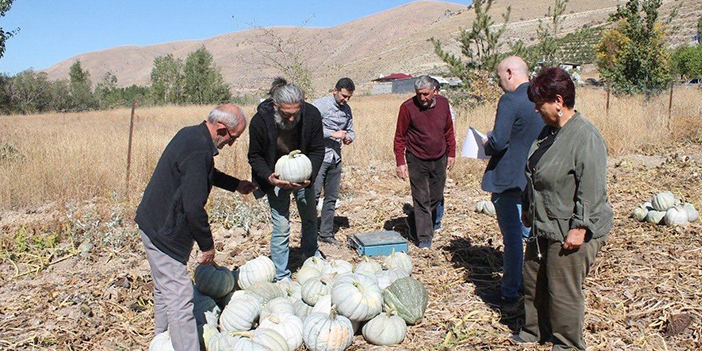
425, 147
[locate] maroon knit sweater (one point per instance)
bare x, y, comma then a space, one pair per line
425, 133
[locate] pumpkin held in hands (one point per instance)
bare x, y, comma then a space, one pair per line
294, 167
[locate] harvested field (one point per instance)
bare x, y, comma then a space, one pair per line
74, 275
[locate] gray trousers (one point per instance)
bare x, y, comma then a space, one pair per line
554, 302
173, 298
329, 178
427, 180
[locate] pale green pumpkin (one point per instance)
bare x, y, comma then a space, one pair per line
327, 332
385, 329
294, 167
408, 298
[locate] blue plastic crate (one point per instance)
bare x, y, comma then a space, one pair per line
378, 243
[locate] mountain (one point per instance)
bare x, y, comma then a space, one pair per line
395, 40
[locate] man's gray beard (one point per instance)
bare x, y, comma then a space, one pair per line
285, 124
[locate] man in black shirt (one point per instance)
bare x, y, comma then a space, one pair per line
172, 216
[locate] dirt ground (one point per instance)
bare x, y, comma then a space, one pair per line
75, 277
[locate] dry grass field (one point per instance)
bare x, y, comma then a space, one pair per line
73, 275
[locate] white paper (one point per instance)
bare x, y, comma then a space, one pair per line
473, 145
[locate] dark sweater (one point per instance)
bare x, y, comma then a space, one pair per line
427, 133
517, 125
172, 210
263, 142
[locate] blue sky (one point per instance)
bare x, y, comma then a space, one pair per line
55, 30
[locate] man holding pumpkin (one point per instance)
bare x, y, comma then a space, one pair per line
337, 122
282, 124
172, 216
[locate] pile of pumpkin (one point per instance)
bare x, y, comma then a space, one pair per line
486, 207
323, 307
666, 208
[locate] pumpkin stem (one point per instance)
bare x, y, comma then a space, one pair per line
245, 333
332, 312
358, 286
274, 319
294, 153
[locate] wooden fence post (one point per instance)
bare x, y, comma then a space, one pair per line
609, 91
129, 151
670, 103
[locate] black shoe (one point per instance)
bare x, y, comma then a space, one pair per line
496, 299
516, 339
330, 240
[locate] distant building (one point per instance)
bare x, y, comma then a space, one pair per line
400, 83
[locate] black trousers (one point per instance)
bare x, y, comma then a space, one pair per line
427, 180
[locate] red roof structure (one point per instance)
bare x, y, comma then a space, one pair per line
394, 76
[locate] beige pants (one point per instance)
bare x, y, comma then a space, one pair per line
173, 298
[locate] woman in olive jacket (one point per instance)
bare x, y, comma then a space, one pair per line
565, 203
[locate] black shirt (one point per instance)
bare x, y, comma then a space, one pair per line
544, 142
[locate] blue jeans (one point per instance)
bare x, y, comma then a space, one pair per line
508, 207
438, 214
280, 218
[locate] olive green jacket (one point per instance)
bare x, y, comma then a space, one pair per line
568, 187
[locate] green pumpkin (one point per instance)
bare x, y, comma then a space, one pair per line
213, 280
408, 297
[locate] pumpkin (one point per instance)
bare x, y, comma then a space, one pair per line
224, 301
324, 305
202, 304
385, 278
368, 265
161, 342
315, 288
292, 289
486, 207
265, 291
294, 167
306, 273
302, 309
262, 339
336, 267
655, 217
207, 332
692, 214
399, 259
224, 341
639, 213
327, 332
357, 297
408, 298
663, 201
279, 305
315, 262
213, 280
385, 329
260, 269
675, 216
240, 314
287, 325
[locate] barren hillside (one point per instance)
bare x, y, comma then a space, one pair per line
391, 41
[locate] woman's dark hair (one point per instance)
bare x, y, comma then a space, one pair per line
277, 83
552, 81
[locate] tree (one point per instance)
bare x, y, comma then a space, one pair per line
167, 80
60, 95
106, 92
204, 83
5, 6
548, 46
699, 26
80, 88
29, 92
632, 55
686, 61
481, 48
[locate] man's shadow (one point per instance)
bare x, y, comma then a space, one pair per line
482, 266
339, 222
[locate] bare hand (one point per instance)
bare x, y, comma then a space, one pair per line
207, 257
296, 186
347, 140
339, 134
450, 162
575, 238
246, 187
403, 172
